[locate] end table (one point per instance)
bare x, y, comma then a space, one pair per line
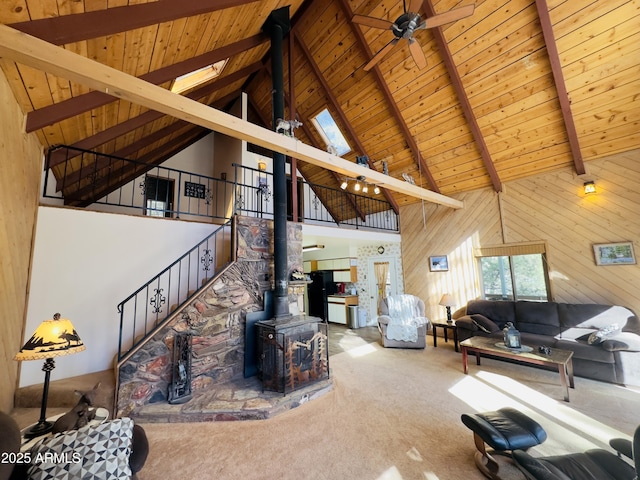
446, 326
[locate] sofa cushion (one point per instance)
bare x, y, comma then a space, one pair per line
100, 451
538, 317
626, 341
498, 312
584, 351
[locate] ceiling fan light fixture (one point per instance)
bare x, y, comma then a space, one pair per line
344, 185
376, 190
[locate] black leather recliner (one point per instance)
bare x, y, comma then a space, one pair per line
596, 464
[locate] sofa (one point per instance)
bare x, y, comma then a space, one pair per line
401, 322
115, 449
604, 339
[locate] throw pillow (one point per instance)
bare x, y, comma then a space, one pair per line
484, 324
98, 452
598, 337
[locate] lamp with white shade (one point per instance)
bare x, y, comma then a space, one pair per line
448, 302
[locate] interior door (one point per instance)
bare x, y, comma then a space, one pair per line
390, 288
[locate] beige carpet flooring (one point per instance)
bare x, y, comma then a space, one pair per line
393, 414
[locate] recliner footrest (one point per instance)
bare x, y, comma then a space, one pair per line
504, 430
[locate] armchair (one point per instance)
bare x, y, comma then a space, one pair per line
402, 323
596, 464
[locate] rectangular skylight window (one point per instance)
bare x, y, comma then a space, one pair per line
330, 133
197, 77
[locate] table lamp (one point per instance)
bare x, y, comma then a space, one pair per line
53, 338
447, 301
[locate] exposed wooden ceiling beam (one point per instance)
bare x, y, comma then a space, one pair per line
84, 26
461, 93
125, 127
336, 107
393, 107
39, 54
561, 87
83, 103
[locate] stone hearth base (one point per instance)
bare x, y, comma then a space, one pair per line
241, 399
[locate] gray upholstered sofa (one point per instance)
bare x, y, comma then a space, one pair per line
600, 354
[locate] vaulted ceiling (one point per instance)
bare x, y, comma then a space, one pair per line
518, 87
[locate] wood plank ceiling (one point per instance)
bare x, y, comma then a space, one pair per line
517, 88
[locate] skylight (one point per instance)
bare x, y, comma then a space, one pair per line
192, 79
330, 133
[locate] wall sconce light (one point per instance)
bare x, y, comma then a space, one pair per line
589, 187
262, 166
53, 338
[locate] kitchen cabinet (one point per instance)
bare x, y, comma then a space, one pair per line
345, 276
344, 269
338, 305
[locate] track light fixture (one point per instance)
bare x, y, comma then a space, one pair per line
360, 185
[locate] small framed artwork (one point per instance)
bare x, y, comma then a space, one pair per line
438, 263
620, 253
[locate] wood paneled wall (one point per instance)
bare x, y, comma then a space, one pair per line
20, 168
550, 207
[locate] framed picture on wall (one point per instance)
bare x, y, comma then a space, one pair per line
620, 253
438, 263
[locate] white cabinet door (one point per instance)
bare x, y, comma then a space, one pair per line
342, 276
325, 264
337, 313
341, 263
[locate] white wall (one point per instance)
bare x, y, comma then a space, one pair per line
84, 264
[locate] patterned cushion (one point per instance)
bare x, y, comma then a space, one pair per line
91, 452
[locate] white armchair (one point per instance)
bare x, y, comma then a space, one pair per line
402, 323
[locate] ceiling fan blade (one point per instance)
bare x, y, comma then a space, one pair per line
378, 56
414, 6
417, 53
372, 22
447, 17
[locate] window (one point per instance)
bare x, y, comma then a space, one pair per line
197, 77
330, 133
514, 272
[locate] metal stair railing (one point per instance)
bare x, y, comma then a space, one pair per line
143, 312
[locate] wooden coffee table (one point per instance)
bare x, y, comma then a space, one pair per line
558, 359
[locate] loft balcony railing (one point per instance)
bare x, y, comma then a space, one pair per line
82, 178
142, 312
316, 203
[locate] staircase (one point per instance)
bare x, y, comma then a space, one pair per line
146, 309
